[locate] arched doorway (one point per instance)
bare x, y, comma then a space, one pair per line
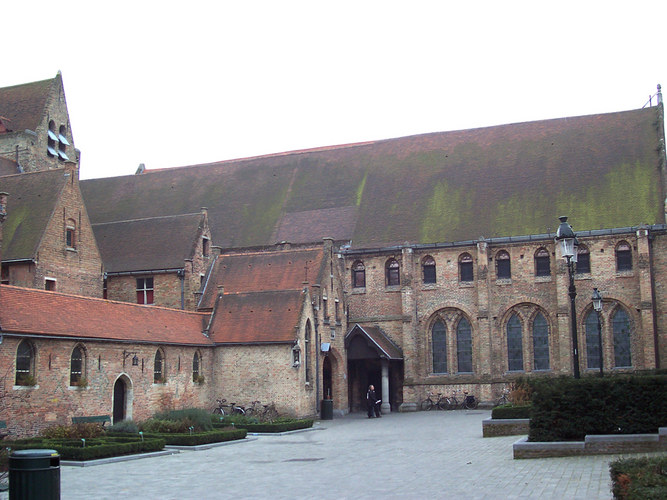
327, 380
122, 399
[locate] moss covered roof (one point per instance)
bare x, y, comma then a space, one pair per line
601, 170
23, 105
30, 205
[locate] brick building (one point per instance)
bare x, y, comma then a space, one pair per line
438, 269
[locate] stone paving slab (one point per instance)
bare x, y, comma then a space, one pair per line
433, 454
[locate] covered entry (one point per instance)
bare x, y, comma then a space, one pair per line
372, 358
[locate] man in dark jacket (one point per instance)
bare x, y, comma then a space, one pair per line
372, 402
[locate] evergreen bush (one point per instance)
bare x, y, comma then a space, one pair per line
567, 409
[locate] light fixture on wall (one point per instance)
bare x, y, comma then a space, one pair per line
296, 354
135, 358
567, 240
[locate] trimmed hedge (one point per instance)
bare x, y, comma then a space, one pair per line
511, 411
639, 478
102, 447
197, 438
276, 425
567, 409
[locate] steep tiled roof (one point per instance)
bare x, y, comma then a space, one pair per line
376, 340
601, 170
38, 312
32, 199
257, 317
23, 105
264, 271
147, 244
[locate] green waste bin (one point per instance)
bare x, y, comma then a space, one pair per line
327, 409
34, 474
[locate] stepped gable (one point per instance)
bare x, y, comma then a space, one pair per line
23, 105
147, 244
31, 202
448, 186
263, 271
51, 314
257, 317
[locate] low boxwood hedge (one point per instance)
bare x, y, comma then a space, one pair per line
280, 425
511, 411
102, 447
567, 409
197, 438
639, 478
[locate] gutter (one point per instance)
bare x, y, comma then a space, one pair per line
143, 273
98, 339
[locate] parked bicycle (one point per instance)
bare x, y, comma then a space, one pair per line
467, 402
504, 398
225, 408
442, 403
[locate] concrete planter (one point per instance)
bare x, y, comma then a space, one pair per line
494, 427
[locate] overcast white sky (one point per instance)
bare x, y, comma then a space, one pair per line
180, 83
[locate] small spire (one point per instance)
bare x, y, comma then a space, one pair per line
659, 94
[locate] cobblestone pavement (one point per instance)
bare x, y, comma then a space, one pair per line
402, 455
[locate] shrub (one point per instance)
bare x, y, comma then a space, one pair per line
639, 478
190, 417
73, 431
567, 409
125, 426
154, 425
511, 411
278, 425
198, 438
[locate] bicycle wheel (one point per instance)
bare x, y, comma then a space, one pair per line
218, 411
454, 402
239, 411
427, 404
442, 404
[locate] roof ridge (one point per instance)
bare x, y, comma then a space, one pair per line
97, 299
284, 290
147, 218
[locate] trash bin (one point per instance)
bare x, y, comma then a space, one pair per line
34, 474
327, 409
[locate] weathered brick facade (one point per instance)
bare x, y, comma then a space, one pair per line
408, 312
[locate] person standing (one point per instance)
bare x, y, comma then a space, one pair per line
372, 402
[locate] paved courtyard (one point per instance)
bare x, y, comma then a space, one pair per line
402, 455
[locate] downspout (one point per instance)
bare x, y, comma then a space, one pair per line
181, 276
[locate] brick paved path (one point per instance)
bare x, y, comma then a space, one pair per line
402, 455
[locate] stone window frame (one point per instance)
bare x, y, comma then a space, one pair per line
52, 140
540, 313
591, 340
159, 366
583, 265
517, 327
77, 373
70, 234
392, 272
504, 257
459, 346
197, 366
429, 275
450, 318
623, 252
542, 259
358, 275
62, 144
442, 351
616, 310
26, 354
466, 268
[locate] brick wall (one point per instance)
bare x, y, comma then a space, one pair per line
407, 313
53, 401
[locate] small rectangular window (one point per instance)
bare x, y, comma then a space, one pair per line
144, 290
466, 271
50, 284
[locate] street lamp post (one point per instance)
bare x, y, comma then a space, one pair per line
597, 305
567, 240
